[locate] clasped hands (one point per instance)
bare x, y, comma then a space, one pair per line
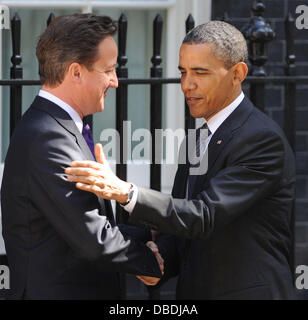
98, 178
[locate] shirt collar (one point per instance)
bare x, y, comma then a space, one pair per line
215, 122
63, 105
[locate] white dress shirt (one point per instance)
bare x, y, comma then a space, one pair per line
213, 124
63, 105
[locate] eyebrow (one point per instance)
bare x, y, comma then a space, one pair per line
112, 66
109, 67
195, 68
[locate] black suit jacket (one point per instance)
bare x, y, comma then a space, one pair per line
61, 242
236, 228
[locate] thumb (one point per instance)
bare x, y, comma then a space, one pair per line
99, 154
152, 245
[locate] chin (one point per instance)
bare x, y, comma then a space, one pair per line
100, 108
196, 114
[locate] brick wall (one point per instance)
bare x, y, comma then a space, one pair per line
238, 12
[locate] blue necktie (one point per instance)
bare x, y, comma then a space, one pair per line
87, 134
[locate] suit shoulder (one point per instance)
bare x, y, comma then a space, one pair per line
38, 131
260, 131
35, 120
261, 122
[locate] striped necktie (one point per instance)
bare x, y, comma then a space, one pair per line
202, 135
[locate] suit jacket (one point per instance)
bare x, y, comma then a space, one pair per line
61, 242
236, 233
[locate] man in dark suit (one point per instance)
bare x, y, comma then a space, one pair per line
61, 242
227, 231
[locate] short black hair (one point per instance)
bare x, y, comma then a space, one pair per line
229, 44
68, 39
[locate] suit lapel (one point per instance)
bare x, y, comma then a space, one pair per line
63, 118
221, 138
180, 180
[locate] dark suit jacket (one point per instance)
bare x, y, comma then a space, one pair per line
61, 242
237, 224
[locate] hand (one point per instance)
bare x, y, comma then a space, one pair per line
98, 178
152, 281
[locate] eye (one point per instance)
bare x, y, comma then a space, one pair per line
201, 73
182, 73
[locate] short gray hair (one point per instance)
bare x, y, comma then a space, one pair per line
229, 43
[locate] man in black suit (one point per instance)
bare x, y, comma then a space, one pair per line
61, 242
227, 231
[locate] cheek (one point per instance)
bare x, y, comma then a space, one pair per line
105, 82
209, 87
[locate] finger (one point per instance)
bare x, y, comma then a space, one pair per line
143, 280
86, 163
79, 171
98, 191
159, 258
99, 153
86, 180
152, 245
90, 188
149, 281
160, 262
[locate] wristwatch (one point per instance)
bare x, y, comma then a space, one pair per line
129, 196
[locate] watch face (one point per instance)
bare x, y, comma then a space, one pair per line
130, 194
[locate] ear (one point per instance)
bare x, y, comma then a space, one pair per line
75, 72
240, 71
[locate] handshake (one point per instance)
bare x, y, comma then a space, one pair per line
152, 281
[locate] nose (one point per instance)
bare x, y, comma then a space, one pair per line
188, 83
114, 83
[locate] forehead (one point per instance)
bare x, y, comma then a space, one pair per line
107, 51
200, 54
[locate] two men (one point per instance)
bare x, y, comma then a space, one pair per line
226, 232
63, 243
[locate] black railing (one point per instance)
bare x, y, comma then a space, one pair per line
258, 34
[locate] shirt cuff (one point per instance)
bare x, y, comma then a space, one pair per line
131, 205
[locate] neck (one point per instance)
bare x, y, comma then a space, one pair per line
226, 103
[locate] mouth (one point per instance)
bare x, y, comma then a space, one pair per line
193, 100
